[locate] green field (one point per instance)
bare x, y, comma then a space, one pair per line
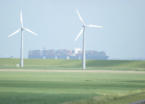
71, 87
74, 64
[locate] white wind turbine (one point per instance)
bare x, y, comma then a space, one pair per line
84, 25
21, 29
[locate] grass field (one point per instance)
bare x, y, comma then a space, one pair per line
74, 64
71, 87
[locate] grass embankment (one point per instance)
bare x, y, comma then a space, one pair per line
74, 64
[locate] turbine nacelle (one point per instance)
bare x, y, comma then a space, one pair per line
84, 25
22, 28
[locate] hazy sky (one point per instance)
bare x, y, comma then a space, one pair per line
57, 24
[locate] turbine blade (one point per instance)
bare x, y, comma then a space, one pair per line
80, 33
95, 26
14, 33
81, 19
30, 31
21, 18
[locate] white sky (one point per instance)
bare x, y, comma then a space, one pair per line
57, 24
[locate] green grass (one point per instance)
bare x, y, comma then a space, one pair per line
126, 99
74, 64
70, 88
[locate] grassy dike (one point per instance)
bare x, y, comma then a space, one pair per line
74, 64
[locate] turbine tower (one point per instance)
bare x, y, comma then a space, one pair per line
21, 30
82, 31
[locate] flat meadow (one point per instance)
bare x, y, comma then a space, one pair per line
116, 82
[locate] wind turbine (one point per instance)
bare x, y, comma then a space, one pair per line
84, 25
21, 30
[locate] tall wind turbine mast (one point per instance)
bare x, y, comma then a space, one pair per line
82, 31
21, 29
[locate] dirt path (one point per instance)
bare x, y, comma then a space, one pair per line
91, 71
